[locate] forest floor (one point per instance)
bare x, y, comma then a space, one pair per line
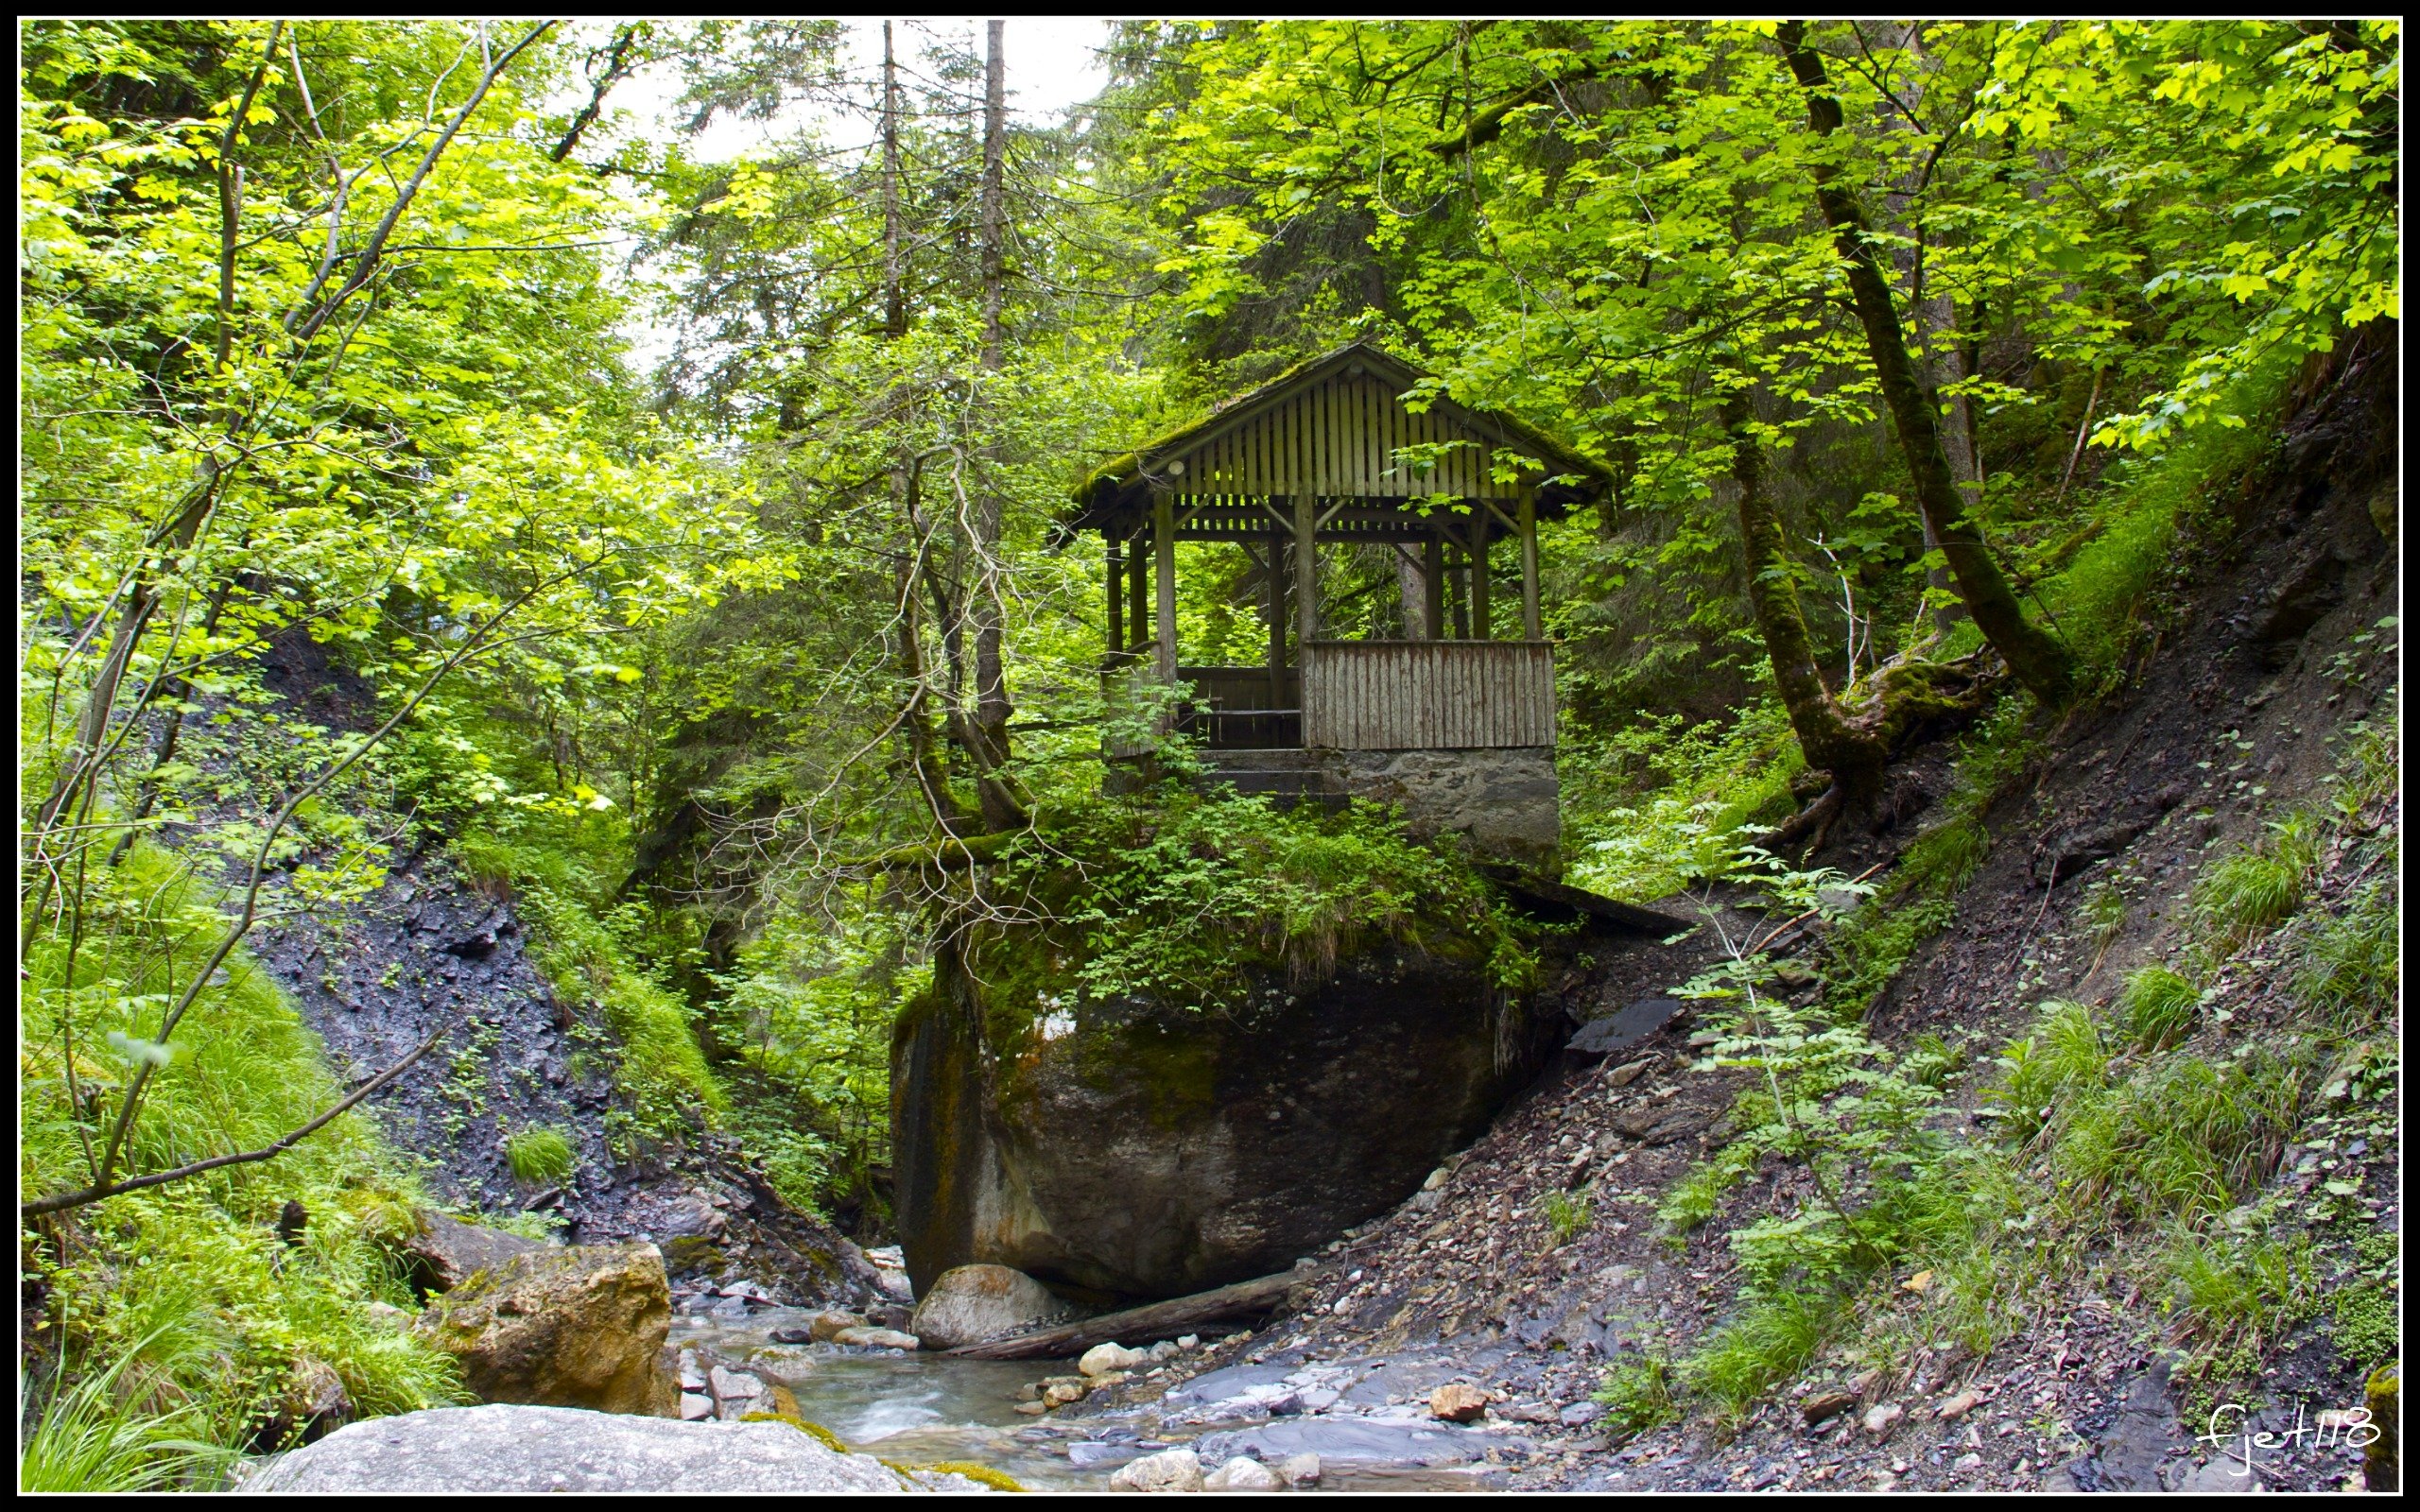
2239, 713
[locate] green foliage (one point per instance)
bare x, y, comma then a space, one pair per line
2241, 1291
1567, 1218
185, 1289
2251, 891
1695, 1197
2157, 1007
1714, 780
1771, 1340
559, 870
89, 1437
539, 1155
2367, 1324
1181, 895
2348, 973
1637, 1394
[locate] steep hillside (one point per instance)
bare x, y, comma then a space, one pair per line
2132, 988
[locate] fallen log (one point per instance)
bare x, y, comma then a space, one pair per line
1141, 1325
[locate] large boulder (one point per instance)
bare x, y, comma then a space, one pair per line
1150, 1148
476, 1451
577, 1327
441, 1253
976, 1304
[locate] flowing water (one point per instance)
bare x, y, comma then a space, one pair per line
928, 1409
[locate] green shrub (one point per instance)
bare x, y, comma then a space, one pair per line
1180, 895
2063, 1055
2157, 1007
1694, 1199
2366, 1324
538, 1156
1637, 1394
563, 872
2348, 971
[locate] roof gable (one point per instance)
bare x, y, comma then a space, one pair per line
1337, 427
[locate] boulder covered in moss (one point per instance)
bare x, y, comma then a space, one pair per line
1147, 1148
577, 1327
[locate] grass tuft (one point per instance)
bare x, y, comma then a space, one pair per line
2157, 1007
539, 1156
2250, 892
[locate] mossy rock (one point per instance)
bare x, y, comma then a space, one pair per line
1146, 1148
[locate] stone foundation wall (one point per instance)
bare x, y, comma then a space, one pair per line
1505, 801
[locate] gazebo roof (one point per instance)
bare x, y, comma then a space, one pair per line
1334, 426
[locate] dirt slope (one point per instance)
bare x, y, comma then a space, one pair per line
2236, 714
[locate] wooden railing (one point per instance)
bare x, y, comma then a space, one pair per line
1428, 695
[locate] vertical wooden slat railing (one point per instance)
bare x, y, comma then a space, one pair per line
1428, 695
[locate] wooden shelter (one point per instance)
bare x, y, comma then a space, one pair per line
1330, 452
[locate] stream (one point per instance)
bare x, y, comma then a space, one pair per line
925, 1408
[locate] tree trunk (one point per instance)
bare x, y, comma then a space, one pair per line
2038, 660
1141, 1325
992, 707
894, 302
1853, 757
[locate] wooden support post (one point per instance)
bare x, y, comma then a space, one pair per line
1138, 589
1306, 577
1478, 573
1530, 625
1276, 595
1432, 585
1164, 570
1114, 622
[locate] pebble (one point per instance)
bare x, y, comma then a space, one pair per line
1879, 1417
1957, 1406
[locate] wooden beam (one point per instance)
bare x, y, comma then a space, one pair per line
1306, 576
1479, 532
1141, 1325
1138, 594
1529, 513
1164, 595
1276, 606
1432, 585
1114, 622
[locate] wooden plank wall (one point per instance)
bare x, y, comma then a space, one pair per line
1428, 695
1337, 441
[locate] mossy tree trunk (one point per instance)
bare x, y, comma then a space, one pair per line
2037, 659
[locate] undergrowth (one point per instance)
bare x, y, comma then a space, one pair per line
183, 1297
2164, 1115
563, 872
1185, 897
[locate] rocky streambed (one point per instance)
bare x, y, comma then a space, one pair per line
1346, 1425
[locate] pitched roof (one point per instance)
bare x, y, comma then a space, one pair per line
1119, 483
